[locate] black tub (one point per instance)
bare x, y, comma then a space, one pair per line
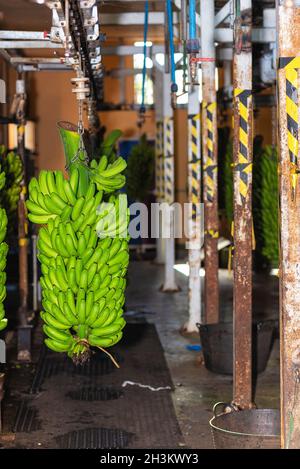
246, 429
217, 346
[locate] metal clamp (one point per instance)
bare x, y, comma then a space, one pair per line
227, 408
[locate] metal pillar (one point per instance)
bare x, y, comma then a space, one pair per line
288, 40
159, 179
210, 168
24, 331
194, 184
242, 160
159, 155
169, 186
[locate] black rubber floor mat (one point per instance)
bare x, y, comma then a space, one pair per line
26, 419
143, 412
94, 438
89, 393
52, 364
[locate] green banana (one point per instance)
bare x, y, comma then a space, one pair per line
82, 288
57, 346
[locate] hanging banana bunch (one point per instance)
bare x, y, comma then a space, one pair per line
3, 254
83, 250
12, 166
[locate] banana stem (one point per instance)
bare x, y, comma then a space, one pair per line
110, 356
70, 139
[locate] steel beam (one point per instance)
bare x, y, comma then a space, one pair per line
242, 165
135, 18
259, 35
24, 35
13, 44
224, 12
210, 169
288, 40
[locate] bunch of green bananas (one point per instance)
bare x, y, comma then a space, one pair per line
82, 274
269, 204
3, 254
13, 169
107, 176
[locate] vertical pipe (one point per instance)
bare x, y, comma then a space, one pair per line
169, 284
142, 109
159, 179
159, 155
22, 218
183, 21
227, 66
210, 164
194, 186
169, 196
167, 42
242, 162
192, 19
171, 40
288, 41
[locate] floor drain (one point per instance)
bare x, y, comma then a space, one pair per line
26, 419
95, 438
88, 393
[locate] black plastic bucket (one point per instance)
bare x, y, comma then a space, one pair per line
217, 346
246, 429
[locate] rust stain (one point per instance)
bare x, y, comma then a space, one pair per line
288, 20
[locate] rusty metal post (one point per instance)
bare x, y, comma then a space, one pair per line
210, 164
24, 330
242, 161
288, 40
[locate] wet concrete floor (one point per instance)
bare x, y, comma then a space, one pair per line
196, 388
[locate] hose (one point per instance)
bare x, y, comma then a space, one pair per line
174, 87
192, 19
142, 108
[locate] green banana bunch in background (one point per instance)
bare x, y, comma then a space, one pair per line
83, 250
3, 254
267, 192
108, 176
12, 167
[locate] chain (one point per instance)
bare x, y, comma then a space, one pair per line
81, 148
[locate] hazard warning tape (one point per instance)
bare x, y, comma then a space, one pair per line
243, 167
159, 157
194, 167
291, 66
210, 167
168, 160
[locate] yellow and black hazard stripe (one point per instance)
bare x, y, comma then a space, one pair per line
291, 66
159, 150
243, 166
169, 161
194, 162
210, 167
212, 233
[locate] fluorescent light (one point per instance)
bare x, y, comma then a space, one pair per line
141, 44
274, 272
185, 270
